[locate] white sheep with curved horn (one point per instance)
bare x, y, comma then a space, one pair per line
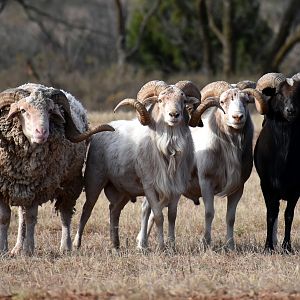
152, 156
223, 152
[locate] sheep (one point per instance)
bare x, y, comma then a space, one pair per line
223, 154
276, 153
152, 156
42, 151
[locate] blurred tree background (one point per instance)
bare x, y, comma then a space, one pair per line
104, 50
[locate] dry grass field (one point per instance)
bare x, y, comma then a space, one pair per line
191, 273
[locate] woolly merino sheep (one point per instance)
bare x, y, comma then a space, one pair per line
42, 151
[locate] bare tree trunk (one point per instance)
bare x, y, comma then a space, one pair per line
207, 65
121, 39
123, 52
271, 62
225, 36
228, 40
286, 48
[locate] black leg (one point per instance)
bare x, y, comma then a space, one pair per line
272, 204
288, 218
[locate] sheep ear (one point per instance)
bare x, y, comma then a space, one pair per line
57, 116
14, 110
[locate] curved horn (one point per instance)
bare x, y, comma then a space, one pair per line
296, 77
189, 88
71, 131
142, 113
260, 101
196, 115
269, 80
85, 135
246, 84
214, 89
10, 96
150, 89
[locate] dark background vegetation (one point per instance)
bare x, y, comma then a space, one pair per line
104, 50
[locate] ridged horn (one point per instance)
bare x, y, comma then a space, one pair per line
214, 89
150, 89
10, 96
189, 88
142, 113
259, 99
85, 135
245, 84
71, 131
269, 80
196, 115
296, 77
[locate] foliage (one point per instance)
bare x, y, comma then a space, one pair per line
172, 41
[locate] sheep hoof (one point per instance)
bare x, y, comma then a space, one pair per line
17, 250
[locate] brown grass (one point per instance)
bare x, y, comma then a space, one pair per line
192, 273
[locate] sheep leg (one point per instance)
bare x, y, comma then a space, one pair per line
274, 234
93, 188
288, 218
21, 232
172, 214
115, 208
272, 204
31, 220
232, 202
156, 207
5, 213
65, 216
208, 199
142, 238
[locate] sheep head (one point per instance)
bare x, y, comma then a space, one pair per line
233, 100
168, 103
283, 95
37, 109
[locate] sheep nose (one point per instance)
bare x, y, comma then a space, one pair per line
238, 117
41, 131
174, 115
290, 111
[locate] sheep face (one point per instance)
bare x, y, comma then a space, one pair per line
170, 106
34, 113
234, 103
284, 101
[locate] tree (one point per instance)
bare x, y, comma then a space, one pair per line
284, 40
123, 50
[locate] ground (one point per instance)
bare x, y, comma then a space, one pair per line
94, 272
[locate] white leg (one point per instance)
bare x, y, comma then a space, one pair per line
275, 226
31, 220
232, 202
142, 238
66, 242
4, 224
21, 232
150, 224
156, 207
172, 214
208, 199
94, 184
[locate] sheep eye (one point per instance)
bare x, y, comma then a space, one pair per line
159, 101
222, 102
23, 111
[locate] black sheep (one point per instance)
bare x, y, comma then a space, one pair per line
276, 154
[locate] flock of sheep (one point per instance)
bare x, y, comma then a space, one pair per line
183, 142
